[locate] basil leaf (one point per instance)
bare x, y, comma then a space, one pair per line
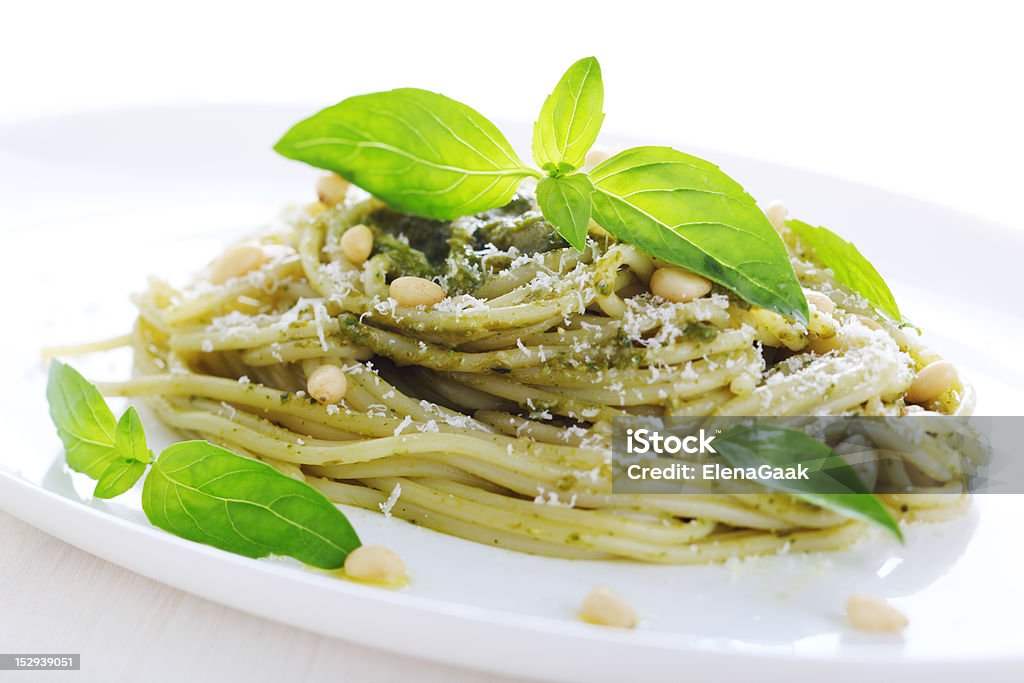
84, 422
204, 493
686, 211
130, 438
120, 475
848, 266
832, 483
570, 118
565, 203
196, 490
131, 457
420, 152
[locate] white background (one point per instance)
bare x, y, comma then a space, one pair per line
923, 98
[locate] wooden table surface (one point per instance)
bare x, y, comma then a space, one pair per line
55, 598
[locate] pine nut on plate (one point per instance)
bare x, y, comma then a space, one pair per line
604, 607
868, 613
375, 564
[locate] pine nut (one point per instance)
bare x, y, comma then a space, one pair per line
932, 381
820, 301
327, 384
236, 261
356, 244
604, 607
415, 291
868, 613
375, 564
776, 213
676, 284
331, 189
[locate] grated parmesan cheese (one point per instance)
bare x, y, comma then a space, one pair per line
406, 421
388, 505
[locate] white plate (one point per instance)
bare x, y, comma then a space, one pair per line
91, 204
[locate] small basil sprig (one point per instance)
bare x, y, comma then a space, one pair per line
131, 455
570, 119
832, 483
848, 266
426, 154
195, 489
112, 451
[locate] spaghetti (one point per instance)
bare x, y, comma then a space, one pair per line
487, 415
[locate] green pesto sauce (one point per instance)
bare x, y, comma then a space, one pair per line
463, 272
566, 482
527, 233
700, 331
403, 259
425, 236
624, 354
453, 250
351, 329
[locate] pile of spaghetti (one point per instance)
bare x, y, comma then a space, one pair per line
487, 415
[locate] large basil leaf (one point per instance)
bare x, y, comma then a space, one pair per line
207, 494
421, 152
686, 211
